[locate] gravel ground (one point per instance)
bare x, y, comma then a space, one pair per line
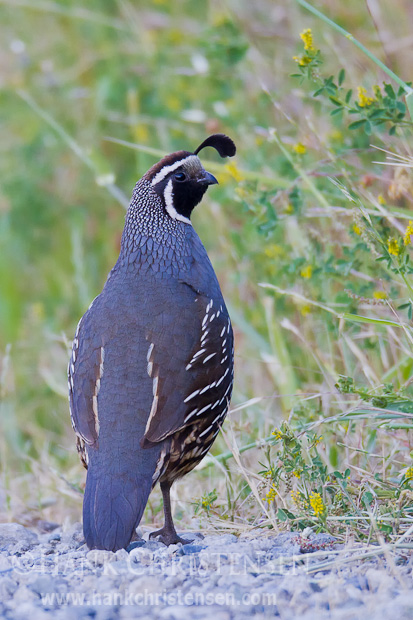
53, 575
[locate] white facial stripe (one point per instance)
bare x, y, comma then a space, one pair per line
167, 169
169, 204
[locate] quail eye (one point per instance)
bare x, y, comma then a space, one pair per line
180, 176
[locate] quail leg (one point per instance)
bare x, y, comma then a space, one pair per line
168, 534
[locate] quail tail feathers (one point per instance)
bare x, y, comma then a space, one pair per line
112, 508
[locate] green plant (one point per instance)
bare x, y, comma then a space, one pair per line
206, 503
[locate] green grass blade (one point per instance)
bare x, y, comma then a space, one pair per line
356, 318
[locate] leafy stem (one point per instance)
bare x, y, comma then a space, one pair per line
368, 53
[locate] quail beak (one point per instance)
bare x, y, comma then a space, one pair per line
208, 179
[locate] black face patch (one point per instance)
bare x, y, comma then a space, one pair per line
187, 194
183, 188
181, 181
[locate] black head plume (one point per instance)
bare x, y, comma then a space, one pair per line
221, 143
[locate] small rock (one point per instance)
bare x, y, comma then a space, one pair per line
42, 584
153, 545
286, 538
147, 584
177, 612
20, 548
220, 541
350, 603
26, 610
135, 544
141, 555
73, 536
104, 612
190, 549
229, 580
120, 567
358, 581
315, 586
7, 587
173, 582
284, 595
378, 578
14, 533
5, 564
55, 537
121, 554
192, 536
99, 557
23, 594
173, 548
46, 526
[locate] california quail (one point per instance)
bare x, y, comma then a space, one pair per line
151, 372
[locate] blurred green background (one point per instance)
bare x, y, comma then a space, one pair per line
163, 75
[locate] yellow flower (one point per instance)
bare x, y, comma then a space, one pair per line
307, 38
379, 295
303, 61
305, 309
306, 272
274, 251
297, 473
409, 232
300, 502
173, 103
363, 100
233, 171
270, 497
336, 135
299, 148
409, 474
296, 497
289, 209
277, 434
393, 246
380, 199
317, 504
141, 133
176, 36
357, 229
219, 19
